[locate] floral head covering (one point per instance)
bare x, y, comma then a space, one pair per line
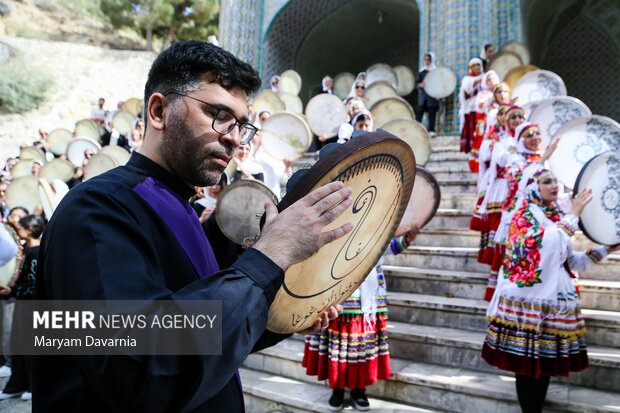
525, 236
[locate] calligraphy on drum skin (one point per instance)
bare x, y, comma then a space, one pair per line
335, 295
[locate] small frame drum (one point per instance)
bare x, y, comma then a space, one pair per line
58, 140
133, 105
120, 154
423, 203
380, 72
389, 109
538, 85
267, 100
76, 148
503, 62
517, 73
380, 169
600, 219
286, 135
10, 271
123, 121
24, 192
342, 84
60, 169
405, 79
86, 128
440, 82
581, 140
32, 153
97, 165
415, 134
292, 103
239, 208
325, 113
518, 48
553, 113
379, 90
290, 82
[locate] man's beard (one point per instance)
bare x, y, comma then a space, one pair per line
185, 154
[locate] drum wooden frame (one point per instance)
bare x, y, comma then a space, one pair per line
600, 219
380, 168
419, 210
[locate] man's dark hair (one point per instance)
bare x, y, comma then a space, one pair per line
182, 66
34, 223
486, 46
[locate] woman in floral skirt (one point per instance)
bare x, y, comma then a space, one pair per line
352, 352
536, 328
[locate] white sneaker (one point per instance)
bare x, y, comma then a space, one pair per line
4, 396
26, 395
5, 371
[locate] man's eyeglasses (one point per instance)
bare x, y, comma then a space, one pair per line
360, 87
224, 121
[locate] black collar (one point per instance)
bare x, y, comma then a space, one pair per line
150, 168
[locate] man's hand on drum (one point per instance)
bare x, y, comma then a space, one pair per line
323, 321
4, 290
296, 233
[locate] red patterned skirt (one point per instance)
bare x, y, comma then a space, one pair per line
467, 134
533, 354
476, 220
348, 353
488, 226
478, 136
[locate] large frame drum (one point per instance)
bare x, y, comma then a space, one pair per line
380, 169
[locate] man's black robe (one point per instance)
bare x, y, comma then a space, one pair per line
130, 234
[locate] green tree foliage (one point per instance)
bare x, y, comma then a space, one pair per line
172, 20
22, 86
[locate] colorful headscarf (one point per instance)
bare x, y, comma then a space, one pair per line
522, 259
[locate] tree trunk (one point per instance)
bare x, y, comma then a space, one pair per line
149, 39
169, 38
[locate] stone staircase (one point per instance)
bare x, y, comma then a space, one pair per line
437, 326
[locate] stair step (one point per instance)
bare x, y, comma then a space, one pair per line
450, 218
469, 314
448, 389
448, 162
464, 258
461, 186
436, 282
451, 174
449, 155
458, 201
453, 258
600, 294
448, 237
266, 393
441, 141
595, 294
462, 348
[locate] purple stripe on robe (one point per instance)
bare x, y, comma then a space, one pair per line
183, 222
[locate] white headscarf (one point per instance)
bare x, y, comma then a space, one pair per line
325, 89
352, 92
474, 61
274, 88
433, 64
